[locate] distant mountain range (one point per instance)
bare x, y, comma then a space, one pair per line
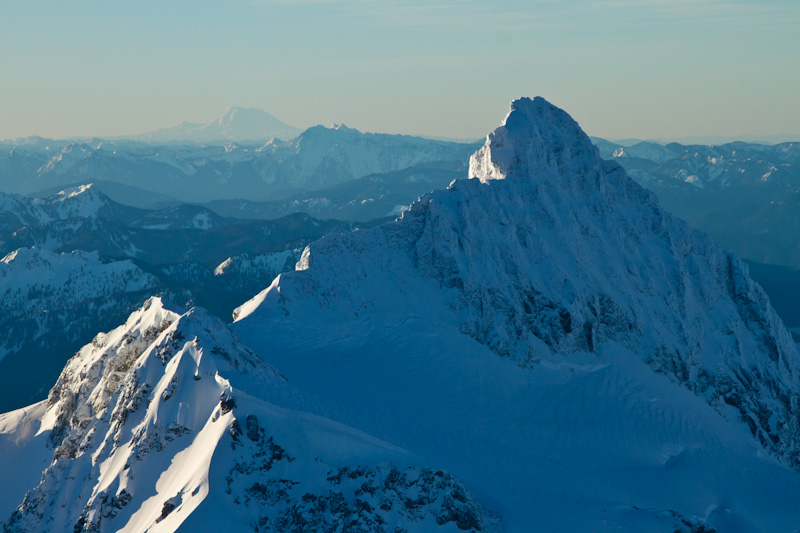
77, 262
708, 140
746, 196
319, 157
222, 250
743, 194
370, 197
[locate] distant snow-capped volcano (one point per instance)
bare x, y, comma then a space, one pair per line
235, 124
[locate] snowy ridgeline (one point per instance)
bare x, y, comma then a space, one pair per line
744, 195
84, 218
715, 168
318, 157
51, 304
37, 286
55, 294
537, 348
156, 424
550, 250
235, 124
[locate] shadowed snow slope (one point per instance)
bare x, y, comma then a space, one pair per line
546, 333
143, 433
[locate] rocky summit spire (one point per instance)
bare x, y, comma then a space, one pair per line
537, 139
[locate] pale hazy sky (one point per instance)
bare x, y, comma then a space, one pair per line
622, 68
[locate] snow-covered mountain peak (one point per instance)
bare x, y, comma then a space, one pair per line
581, 358
152, 384
80, 201
97, 370
326, 132
553, 252
235, 124
11, 256
36, 256
158, 330
154, 426
246, 118
225, 117
71, 192
536, 140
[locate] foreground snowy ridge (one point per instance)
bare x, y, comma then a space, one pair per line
142, 427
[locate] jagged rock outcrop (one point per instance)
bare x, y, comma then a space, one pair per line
145, 433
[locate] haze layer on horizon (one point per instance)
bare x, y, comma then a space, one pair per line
623, 68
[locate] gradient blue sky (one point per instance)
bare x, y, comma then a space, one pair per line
622, 68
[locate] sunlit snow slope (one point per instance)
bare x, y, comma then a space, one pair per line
545, 332
154, 426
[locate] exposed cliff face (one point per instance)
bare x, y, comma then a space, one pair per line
590, 258
110, 409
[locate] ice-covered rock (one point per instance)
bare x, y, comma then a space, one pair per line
550, 256
154, 426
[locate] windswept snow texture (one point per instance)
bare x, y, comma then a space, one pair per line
545, 332
571, 357
153, 427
